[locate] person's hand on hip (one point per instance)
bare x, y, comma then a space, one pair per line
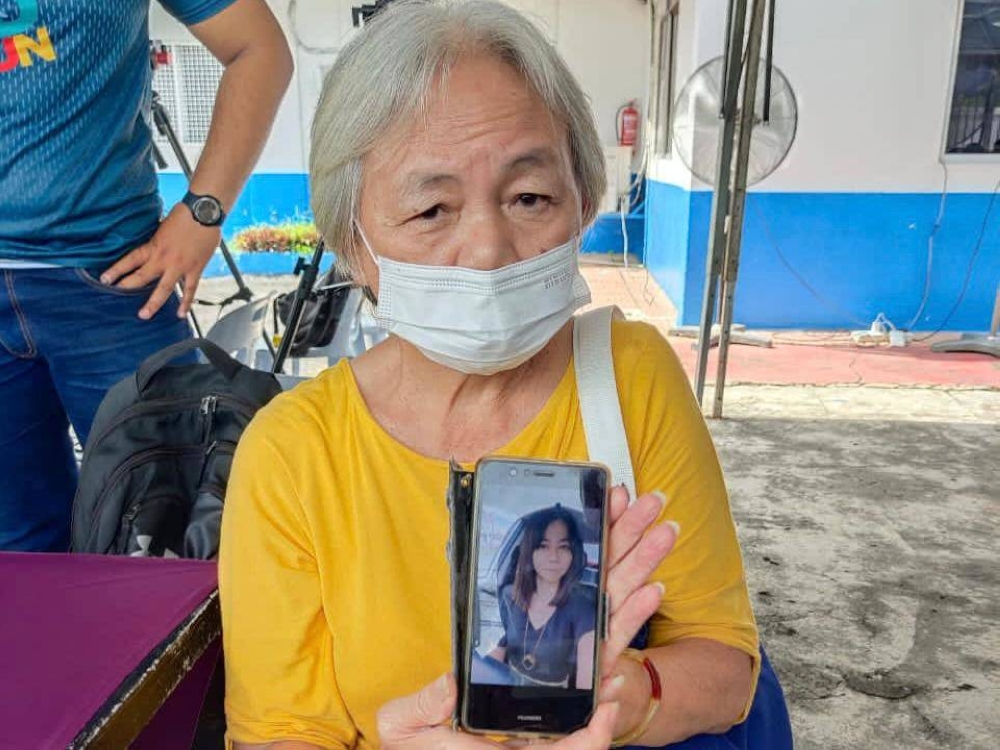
180, 250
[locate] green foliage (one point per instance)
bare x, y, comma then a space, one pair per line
292, 237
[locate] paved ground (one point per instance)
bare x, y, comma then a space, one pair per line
819, 358
869, 513
833, 359
872, 559
866, 490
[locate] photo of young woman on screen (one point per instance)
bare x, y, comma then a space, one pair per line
547, 612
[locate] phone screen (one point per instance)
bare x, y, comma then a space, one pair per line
537, 596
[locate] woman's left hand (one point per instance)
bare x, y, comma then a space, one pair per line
636, 547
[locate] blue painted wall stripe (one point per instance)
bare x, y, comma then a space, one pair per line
668, 220
863, 253
267, 199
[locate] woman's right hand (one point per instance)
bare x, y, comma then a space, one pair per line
423, 720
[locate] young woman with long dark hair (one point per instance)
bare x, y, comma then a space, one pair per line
547, 613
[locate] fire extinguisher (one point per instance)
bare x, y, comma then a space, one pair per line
627, 124
159, 54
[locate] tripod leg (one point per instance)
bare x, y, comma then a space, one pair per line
734, 237
307, 281
736, 17
190, 316
166, 129
161, 162
244, 291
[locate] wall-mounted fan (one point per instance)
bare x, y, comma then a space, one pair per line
697, 125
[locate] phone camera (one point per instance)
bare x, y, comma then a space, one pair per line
513, 472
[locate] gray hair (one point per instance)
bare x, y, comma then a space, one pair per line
386, 73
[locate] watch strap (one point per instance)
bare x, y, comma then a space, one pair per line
190, 199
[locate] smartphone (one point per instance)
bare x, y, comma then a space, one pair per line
537, 609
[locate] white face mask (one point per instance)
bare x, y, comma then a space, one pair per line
480, 322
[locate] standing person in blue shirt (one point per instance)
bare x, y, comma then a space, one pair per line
87, 267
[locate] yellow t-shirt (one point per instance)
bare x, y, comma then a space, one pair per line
333, 576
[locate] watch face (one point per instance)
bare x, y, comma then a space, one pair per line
207, 211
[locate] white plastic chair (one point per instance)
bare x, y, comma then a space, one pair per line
356, 331
240, 332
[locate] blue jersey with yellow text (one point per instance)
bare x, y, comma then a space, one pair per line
77, 180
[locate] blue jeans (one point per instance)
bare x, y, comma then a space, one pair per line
65, 338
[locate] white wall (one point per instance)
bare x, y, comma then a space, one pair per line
284, 151
671, 169
873, 83
605, 43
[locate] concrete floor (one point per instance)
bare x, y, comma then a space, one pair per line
821, 358
869, 518
872, 559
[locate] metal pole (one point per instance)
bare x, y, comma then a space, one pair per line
720, 200
735, 235
725, 54
191, 316
162, 122
770, 62
309, 273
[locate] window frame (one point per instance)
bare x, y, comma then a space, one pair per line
666, 80
177, 103
959, 157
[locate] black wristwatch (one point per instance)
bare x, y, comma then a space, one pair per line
206, 209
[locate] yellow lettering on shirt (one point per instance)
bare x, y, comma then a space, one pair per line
41, 47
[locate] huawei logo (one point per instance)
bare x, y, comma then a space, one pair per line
528, 718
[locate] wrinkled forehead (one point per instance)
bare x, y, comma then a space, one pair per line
477, 102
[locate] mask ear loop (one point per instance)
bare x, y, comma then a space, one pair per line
366, 288
364, 240
578, 239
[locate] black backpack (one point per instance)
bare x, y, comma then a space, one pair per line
320, 314
157, 460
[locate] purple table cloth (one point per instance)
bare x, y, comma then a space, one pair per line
173, 727
73, 627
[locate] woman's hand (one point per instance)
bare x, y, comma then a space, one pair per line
636, 548
422, 720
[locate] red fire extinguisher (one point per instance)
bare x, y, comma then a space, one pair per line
159, 54
628, 124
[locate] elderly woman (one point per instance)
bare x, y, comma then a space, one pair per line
455, 163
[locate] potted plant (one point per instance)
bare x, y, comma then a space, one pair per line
274, 248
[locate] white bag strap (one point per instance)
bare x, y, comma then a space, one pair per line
598, 395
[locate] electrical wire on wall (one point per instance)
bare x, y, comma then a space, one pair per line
649, 133
828, 304
968, 269
626, 203
835, 308
930, 251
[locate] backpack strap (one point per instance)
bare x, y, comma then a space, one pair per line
221, 361
597, 390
